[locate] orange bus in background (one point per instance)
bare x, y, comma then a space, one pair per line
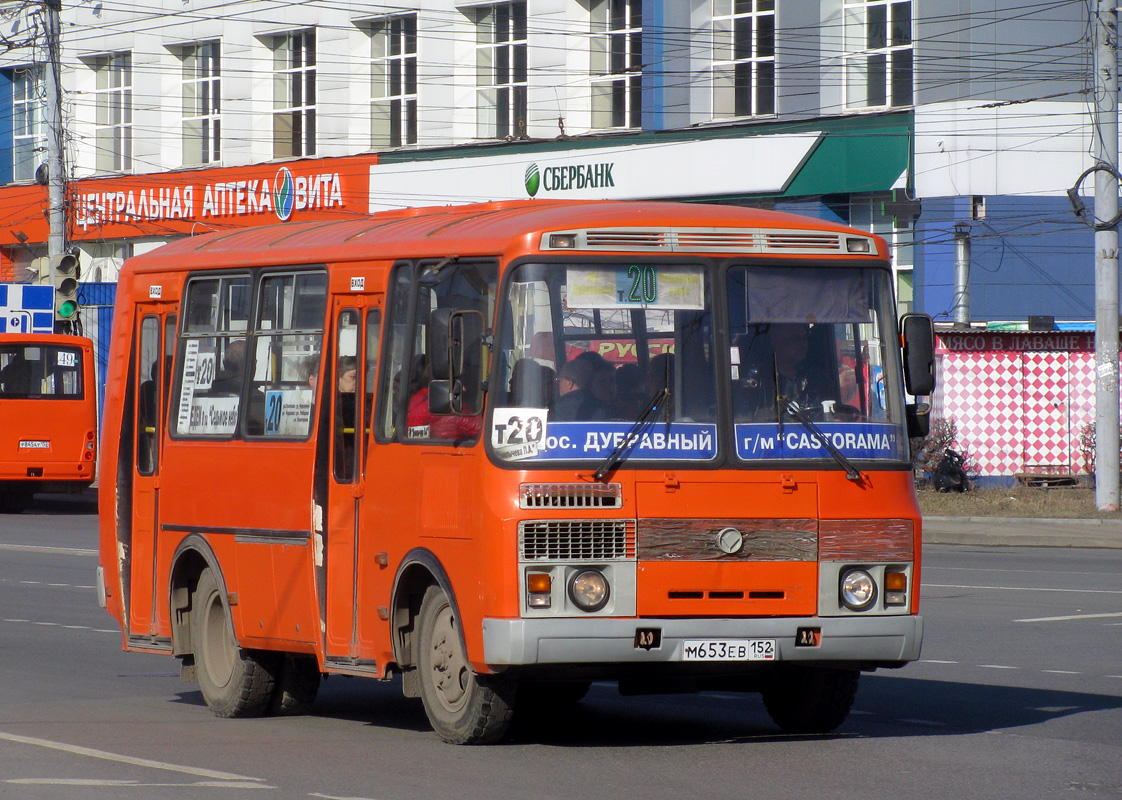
397, 445
48, 416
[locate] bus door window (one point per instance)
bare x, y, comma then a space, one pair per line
348, 424
287, 340
170, 323
147, 399
373, 341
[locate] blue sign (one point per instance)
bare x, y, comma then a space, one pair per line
766, 440
678, 441
25, 308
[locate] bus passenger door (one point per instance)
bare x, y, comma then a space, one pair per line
155, 341
352, 372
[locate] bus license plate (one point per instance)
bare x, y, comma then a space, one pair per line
729, 650
34, 444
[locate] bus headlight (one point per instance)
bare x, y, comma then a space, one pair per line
589, 590
858, 589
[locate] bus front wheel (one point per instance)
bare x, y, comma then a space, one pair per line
462, 707
234, 682
809, 699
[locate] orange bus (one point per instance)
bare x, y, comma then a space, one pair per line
48, 416
505, 450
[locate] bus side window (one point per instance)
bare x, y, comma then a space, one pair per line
286, 342
213, 351
395, 375
468, 287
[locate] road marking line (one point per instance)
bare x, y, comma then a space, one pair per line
60, 625
122, 759
1062, 672
1070, 617
53, 585
996, 666
1020, 588
935, 661
336, 797
135, 784
61, 551
70, 782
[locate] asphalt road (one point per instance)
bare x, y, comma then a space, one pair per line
1018, 695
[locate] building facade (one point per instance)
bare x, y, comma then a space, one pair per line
904, 118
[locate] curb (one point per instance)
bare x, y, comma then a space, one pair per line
1023, 532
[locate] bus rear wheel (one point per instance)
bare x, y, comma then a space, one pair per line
234, 682
462, 706
809, 699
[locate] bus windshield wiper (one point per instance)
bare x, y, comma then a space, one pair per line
623, 449
793, 408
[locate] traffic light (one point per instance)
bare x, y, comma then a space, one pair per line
66, 287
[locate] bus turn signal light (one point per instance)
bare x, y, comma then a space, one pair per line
895, 588
539, 586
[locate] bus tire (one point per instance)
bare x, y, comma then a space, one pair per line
810, 700
297, 686
462, 706
235, 682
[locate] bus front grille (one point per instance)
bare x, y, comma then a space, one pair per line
576, 540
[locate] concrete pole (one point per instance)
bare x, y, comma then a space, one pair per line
961, 275
1105, 28
52, 114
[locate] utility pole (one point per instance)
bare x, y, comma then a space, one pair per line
1105, 36
56, 171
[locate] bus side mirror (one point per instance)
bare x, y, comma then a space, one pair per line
456, 356
439, 334
918, 418
919, 354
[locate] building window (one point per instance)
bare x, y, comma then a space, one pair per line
393, 81
114, 112
866, 212
500, 62
617, 63
202, 103
29, 137
878, 61
743, 58
294, 94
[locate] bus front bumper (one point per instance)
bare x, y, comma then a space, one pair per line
873, 640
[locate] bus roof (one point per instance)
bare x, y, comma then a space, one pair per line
45, 338
463, 230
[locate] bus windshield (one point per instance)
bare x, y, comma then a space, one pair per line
815, 344
41, 371
596, 358
588, 346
